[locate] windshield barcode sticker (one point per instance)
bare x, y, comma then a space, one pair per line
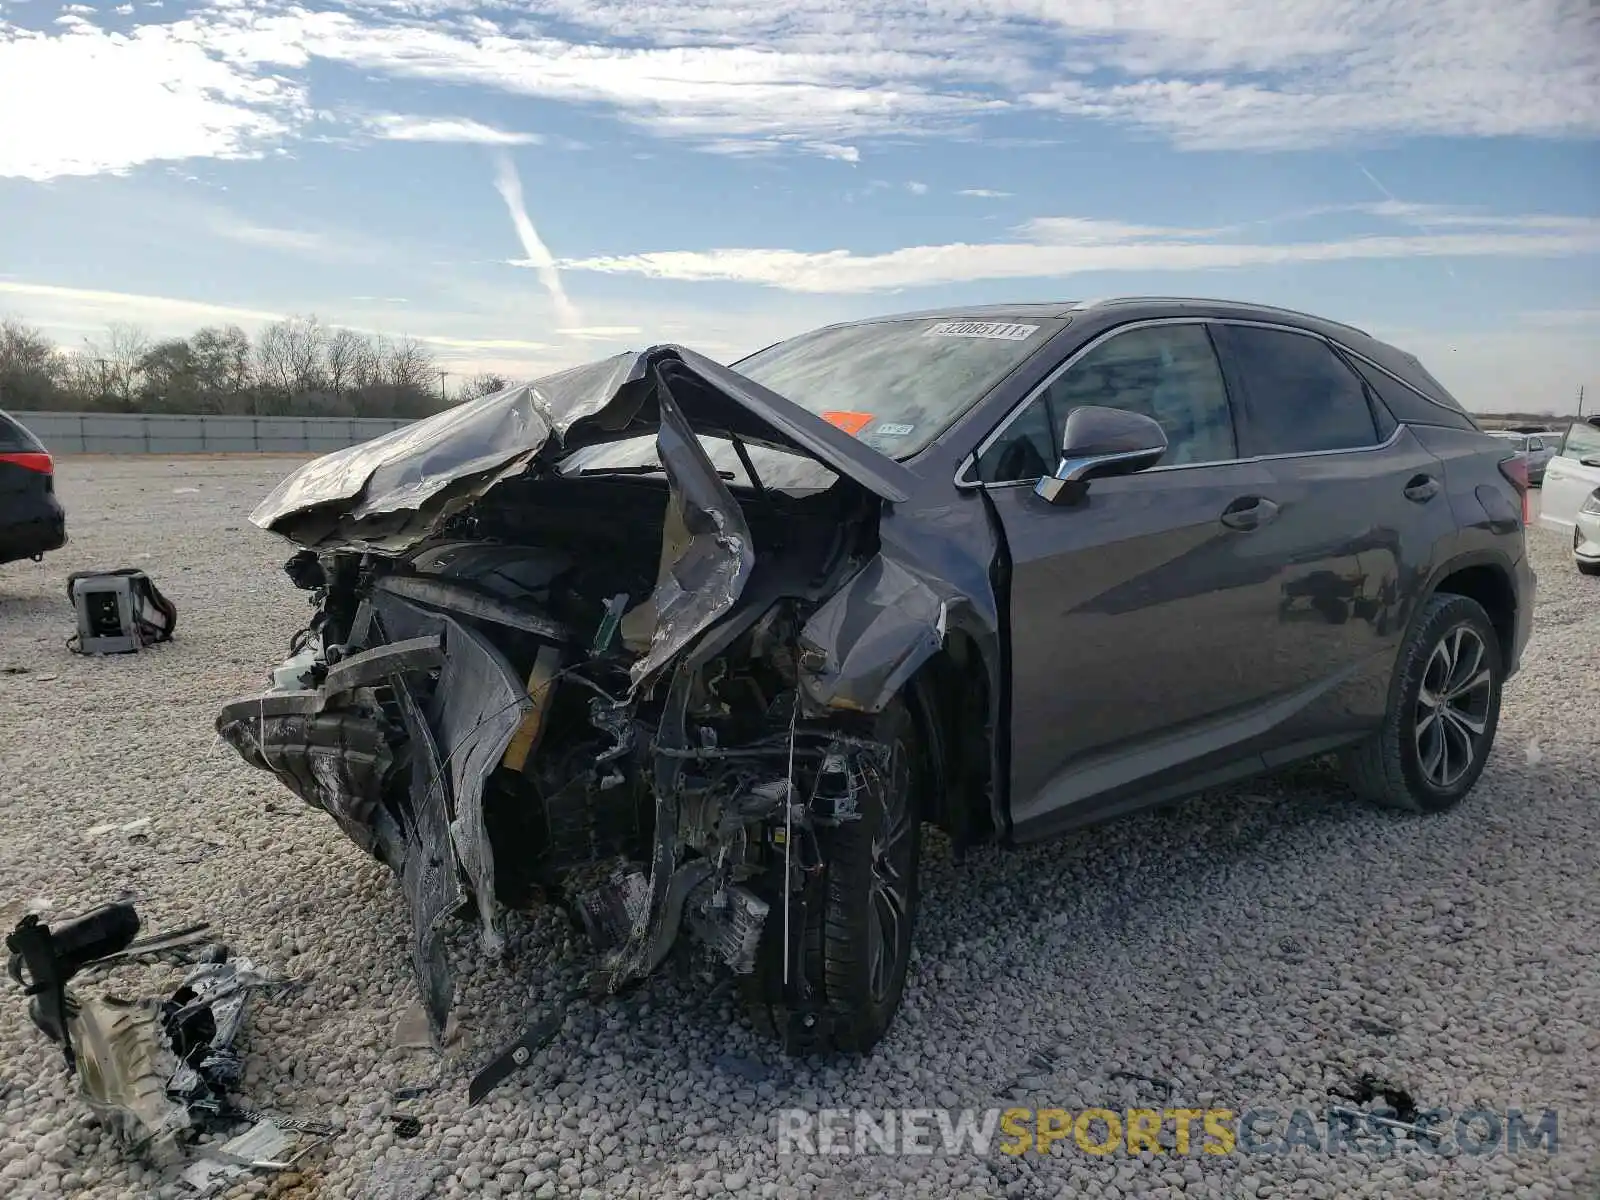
1000, 330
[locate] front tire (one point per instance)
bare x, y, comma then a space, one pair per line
1444, 707
855, 943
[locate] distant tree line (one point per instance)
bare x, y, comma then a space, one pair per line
294, 367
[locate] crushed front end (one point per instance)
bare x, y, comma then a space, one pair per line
587, 689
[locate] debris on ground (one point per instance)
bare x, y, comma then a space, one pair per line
262, 1147
119, 612
155, 1072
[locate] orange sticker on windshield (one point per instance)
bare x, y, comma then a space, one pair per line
851, 422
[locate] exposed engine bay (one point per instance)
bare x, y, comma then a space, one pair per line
625, 692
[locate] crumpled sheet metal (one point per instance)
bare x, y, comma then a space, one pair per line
872, 635
145, 1088
704, 579
374, 494
420, 854
476, 708
930, 577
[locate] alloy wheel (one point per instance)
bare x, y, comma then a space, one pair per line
1453, 706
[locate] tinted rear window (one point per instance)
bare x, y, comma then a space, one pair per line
14, 438
1300, 395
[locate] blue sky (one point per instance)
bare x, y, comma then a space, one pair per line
528, 185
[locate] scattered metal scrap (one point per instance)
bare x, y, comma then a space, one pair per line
1398, 1110
156, 1071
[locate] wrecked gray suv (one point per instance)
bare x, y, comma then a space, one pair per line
696, 650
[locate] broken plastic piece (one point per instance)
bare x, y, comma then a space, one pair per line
519, 1053
52, 956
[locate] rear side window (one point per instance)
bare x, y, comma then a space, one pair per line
1299, 395
14, 438
1409, 405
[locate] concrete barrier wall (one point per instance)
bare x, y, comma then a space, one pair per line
157, 433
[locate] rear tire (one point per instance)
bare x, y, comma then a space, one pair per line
856, 943
1444, 707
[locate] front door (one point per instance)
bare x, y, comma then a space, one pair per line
1143, 620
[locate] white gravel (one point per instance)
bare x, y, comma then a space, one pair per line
1250, 946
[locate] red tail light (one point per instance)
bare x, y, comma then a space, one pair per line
30, 460
1516, 472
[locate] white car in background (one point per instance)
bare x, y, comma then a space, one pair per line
1570, 503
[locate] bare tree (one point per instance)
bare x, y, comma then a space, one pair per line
223, 364
347, 352
292, 366
482, 385
117, 357
31, 368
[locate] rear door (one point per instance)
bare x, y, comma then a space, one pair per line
1140, 615
1364, 513
1569, 477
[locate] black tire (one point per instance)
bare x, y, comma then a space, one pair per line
1434, 743
856, 974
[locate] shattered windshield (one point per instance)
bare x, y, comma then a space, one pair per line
896, 385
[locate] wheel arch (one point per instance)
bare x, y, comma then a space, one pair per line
1487, 578
952, 701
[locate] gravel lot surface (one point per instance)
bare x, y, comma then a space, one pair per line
1252, 947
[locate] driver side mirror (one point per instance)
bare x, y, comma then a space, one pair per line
1098, 443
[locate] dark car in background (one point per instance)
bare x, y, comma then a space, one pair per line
31, 518
696, 650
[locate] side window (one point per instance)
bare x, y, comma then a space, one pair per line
1582, 441
1299, 395
14, 437
1166, 372
1535, 445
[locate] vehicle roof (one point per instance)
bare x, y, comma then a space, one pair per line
1158, 305
1391, 358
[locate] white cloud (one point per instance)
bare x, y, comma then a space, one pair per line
398, 127
849, 154
96, 102
537, 254
302, 241
984, 193
85, 308
815, 76
917, 188
1057, 247
494, 327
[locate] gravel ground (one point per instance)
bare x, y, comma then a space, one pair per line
1250, 946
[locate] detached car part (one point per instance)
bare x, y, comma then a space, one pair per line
150, 1070
119, 612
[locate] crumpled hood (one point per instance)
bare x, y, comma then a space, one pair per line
390, 492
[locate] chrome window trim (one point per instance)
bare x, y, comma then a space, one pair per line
970, 462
